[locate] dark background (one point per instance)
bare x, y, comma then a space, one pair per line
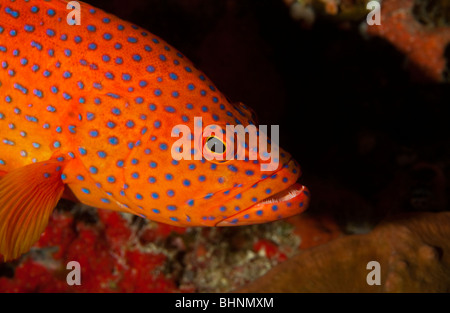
372, 138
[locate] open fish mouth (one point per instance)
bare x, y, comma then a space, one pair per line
283, 196
288, 202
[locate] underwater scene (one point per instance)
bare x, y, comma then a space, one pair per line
224, 146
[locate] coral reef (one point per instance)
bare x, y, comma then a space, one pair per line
413, 253
336, 10
123, 253
435, 13
106, 252
420, 29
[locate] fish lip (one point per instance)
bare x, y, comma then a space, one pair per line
299, 188
302, 187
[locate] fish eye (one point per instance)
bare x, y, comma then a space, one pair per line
215, 145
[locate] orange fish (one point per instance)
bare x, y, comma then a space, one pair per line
90, 111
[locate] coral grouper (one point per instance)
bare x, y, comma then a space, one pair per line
91, 111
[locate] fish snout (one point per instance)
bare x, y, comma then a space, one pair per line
292, 200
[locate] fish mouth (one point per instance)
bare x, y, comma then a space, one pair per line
285, 203
284, 195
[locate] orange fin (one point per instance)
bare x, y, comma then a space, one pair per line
28, 196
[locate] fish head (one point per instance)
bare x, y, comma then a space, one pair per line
215, 167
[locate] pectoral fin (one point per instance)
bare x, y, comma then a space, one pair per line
27, 197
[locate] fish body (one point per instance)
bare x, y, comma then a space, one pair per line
92, 108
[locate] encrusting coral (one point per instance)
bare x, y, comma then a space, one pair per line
420, 34
420, 29
412, 250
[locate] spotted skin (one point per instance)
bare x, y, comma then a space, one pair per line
102, 99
